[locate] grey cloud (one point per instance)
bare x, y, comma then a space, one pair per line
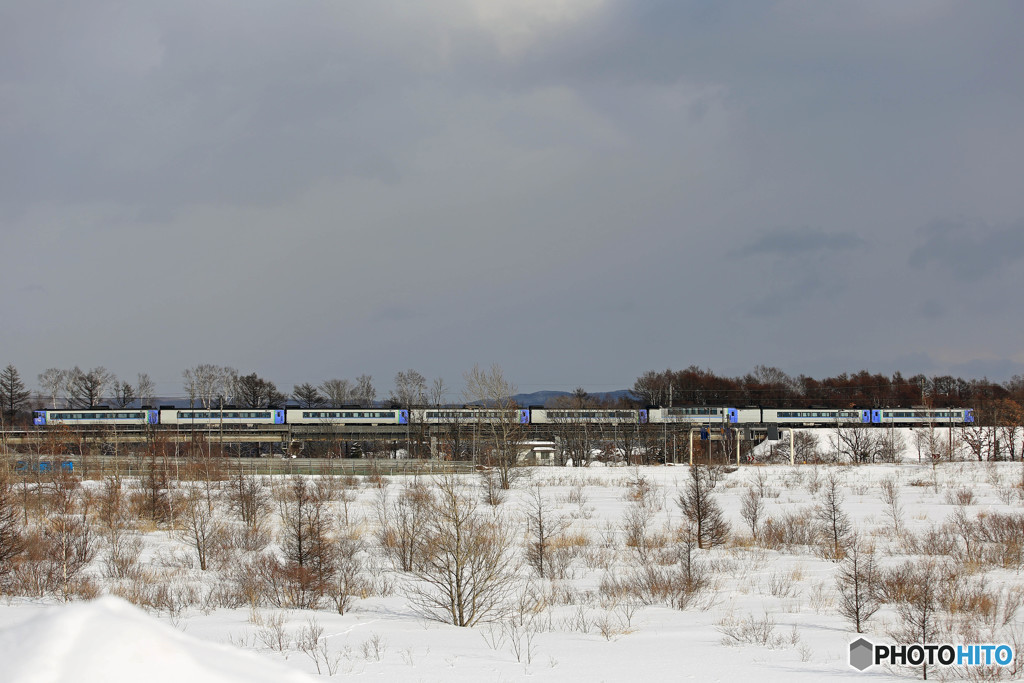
996, 369
800, 50
395, 313
969, 251
237, 104
33, 288
933, 309
795, 291
799, 241
308, 187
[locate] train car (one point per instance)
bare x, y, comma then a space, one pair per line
346, 416
467, 416
588, 415
227, 416
815, 417
97, 416
694, 415
913, 417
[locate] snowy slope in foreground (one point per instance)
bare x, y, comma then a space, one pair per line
110, 641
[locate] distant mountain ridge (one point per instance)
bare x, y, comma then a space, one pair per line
539, 398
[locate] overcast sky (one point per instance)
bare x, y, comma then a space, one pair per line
578, 190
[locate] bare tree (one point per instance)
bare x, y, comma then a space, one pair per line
299, 508
929, 443
12, 541
855, 443
979, 440
192, 382
576, 437
833, 523
636, 521
53, 381
228, 386
542, 526
919, 604
468, 571
86, 389
209, 384
889, 445
503, 433
248, 497
652, 388
401, 524
751, 511
454, 440
122, 551
307, 539
348, 580
124, 394
145, 389
154, 498
410, 388
364, 392
256, 392
438, 390
202, 525
411, 391
692, 579
778, 383
893, 507
857, 581
805, 446
338, 392
1011, 417
70, 544
625, 440
702, 510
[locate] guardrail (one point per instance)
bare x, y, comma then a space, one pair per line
98, 467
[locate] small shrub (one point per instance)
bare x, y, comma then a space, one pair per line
749, 631
961, 496
780, 585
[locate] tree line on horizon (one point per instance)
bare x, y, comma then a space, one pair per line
210, 386
770, 386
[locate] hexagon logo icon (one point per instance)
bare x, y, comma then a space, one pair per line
861, 654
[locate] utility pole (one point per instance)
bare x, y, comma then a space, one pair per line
950, 413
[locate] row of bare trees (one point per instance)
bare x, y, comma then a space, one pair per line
209, 385
205, 385
458, 558
78, 388
770, 386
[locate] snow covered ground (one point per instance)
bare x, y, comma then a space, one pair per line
110, 641
579, 631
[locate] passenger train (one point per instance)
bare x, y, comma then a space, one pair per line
354, 416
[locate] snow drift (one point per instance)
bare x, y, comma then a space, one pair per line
110, 641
